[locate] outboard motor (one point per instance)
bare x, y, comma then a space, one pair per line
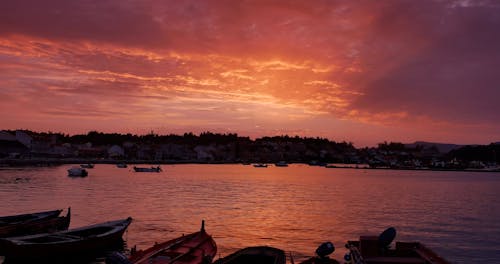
386, 237
325, 249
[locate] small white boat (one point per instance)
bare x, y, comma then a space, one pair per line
260, 165
77, 172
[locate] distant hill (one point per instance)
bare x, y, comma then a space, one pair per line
442, 147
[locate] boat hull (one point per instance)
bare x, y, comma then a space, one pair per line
46, 222
152, 169
83, 241
367, 251
261, 255
77, 172
195, 248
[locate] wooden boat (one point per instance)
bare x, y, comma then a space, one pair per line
195, 248
260, 254
376, 250
81, 241
87, 166
77, 172
34, 223
152, 169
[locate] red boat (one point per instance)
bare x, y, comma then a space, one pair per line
195, 248
34, 223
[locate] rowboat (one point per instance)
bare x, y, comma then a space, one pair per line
376, 250
81, 241
34, 223
77, 172
195, 248
152, 169
260, 254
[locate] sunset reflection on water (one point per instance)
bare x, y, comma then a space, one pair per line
294, 208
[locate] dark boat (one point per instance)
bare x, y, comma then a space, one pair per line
250, 255
34, 223
87, 166
281, 164
121, 165
376, 250
195, 248
81, 241
152, 169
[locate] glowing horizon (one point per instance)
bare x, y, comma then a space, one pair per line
359, 72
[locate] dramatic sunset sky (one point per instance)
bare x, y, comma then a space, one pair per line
360, 71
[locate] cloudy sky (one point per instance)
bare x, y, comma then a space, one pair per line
360, 71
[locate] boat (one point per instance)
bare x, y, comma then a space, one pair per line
259, 254
281, 164
34, 223
260, 165
195, 248
377, 250
83, 241
152, 169
121, 165
87, 166
77, 172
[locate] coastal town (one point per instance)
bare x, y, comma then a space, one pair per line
27, 148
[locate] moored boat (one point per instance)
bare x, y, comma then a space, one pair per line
77, 172
195, 248
121, 165
87, 166
377, 250
281, 164
34, 223
152, 169
260, 165
259, 254
81, 241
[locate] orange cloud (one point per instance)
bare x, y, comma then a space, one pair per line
327, 66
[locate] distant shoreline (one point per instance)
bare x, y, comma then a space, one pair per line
6, 163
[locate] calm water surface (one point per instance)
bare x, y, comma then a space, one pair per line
294, 208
